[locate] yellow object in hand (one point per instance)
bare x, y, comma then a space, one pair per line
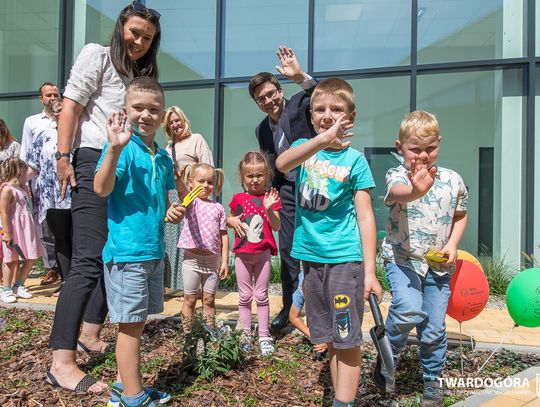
436, 256
195, 192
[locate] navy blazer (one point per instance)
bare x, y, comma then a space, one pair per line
296, 123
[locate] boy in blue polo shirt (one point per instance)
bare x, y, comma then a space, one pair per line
135, 174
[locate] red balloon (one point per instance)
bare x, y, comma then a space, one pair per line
469, 291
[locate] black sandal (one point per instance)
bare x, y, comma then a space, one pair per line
108, 348
82, 387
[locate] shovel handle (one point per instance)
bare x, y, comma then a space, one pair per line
375, 310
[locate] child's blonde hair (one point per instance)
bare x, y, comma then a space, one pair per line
253, 159
11, 168
418, 123
336, 87
186, 125
218, 174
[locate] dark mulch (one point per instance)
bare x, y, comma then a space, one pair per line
291, 377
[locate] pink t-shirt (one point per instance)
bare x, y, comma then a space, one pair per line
259, 237
202, 225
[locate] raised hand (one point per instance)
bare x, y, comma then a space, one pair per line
421, 177
270, 198
333, 137
118, 129
290, 67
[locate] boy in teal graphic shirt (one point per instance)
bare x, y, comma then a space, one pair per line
335, 232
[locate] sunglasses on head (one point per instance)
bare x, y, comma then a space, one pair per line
141, 8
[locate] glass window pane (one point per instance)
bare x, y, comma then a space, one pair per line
14, 112
28, 44
198, 105
94, 22
481, 117
188, 39
254, 30
462, 30
352, 34
381, 104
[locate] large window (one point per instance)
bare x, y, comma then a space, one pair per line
254, 30
28, 44
198, 105
188, 39
14, 112
381, 104
351, 34
464, 30
481, 116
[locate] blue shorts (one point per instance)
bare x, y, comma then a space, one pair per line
134, 290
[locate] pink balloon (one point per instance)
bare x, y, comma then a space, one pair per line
469, 291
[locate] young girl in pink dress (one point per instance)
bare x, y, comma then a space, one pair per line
18, 229
254, 215
205, 242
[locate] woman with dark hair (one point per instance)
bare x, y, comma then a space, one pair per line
8, 145
96, 88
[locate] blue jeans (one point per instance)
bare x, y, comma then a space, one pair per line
419, 302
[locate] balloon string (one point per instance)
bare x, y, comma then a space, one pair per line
497, 347
460, 349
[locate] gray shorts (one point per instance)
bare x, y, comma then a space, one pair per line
134, 290
334, 296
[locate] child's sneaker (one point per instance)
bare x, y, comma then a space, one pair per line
21, 291
160, 397
146, 401
7, 296
433, 395
245, 342
384, 381
266, 345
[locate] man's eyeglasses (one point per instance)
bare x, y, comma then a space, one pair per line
141, 8
270, 95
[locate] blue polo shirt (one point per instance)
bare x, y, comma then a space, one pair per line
137, 204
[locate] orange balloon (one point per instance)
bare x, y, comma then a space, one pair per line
463, 255
469, 291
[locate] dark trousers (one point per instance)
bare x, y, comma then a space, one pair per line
290, 268
59, 222
83, 294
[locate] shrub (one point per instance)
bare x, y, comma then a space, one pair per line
498, 274
209, 357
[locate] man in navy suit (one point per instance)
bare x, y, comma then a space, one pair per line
286, 121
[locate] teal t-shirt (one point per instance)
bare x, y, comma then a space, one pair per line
326, 230
137, 204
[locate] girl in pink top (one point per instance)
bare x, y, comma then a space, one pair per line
18, 229
205, 242
254, 215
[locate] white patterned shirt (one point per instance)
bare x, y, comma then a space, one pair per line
415, 227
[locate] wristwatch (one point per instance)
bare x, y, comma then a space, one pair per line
59, 155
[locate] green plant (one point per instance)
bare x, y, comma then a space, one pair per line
210, 357
380, 272
498, 274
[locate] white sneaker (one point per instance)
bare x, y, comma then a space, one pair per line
22, 292
7, 296
266, 345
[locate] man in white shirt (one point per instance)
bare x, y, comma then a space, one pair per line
33, 125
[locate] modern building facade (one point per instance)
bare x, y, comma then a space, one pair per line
474, 63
